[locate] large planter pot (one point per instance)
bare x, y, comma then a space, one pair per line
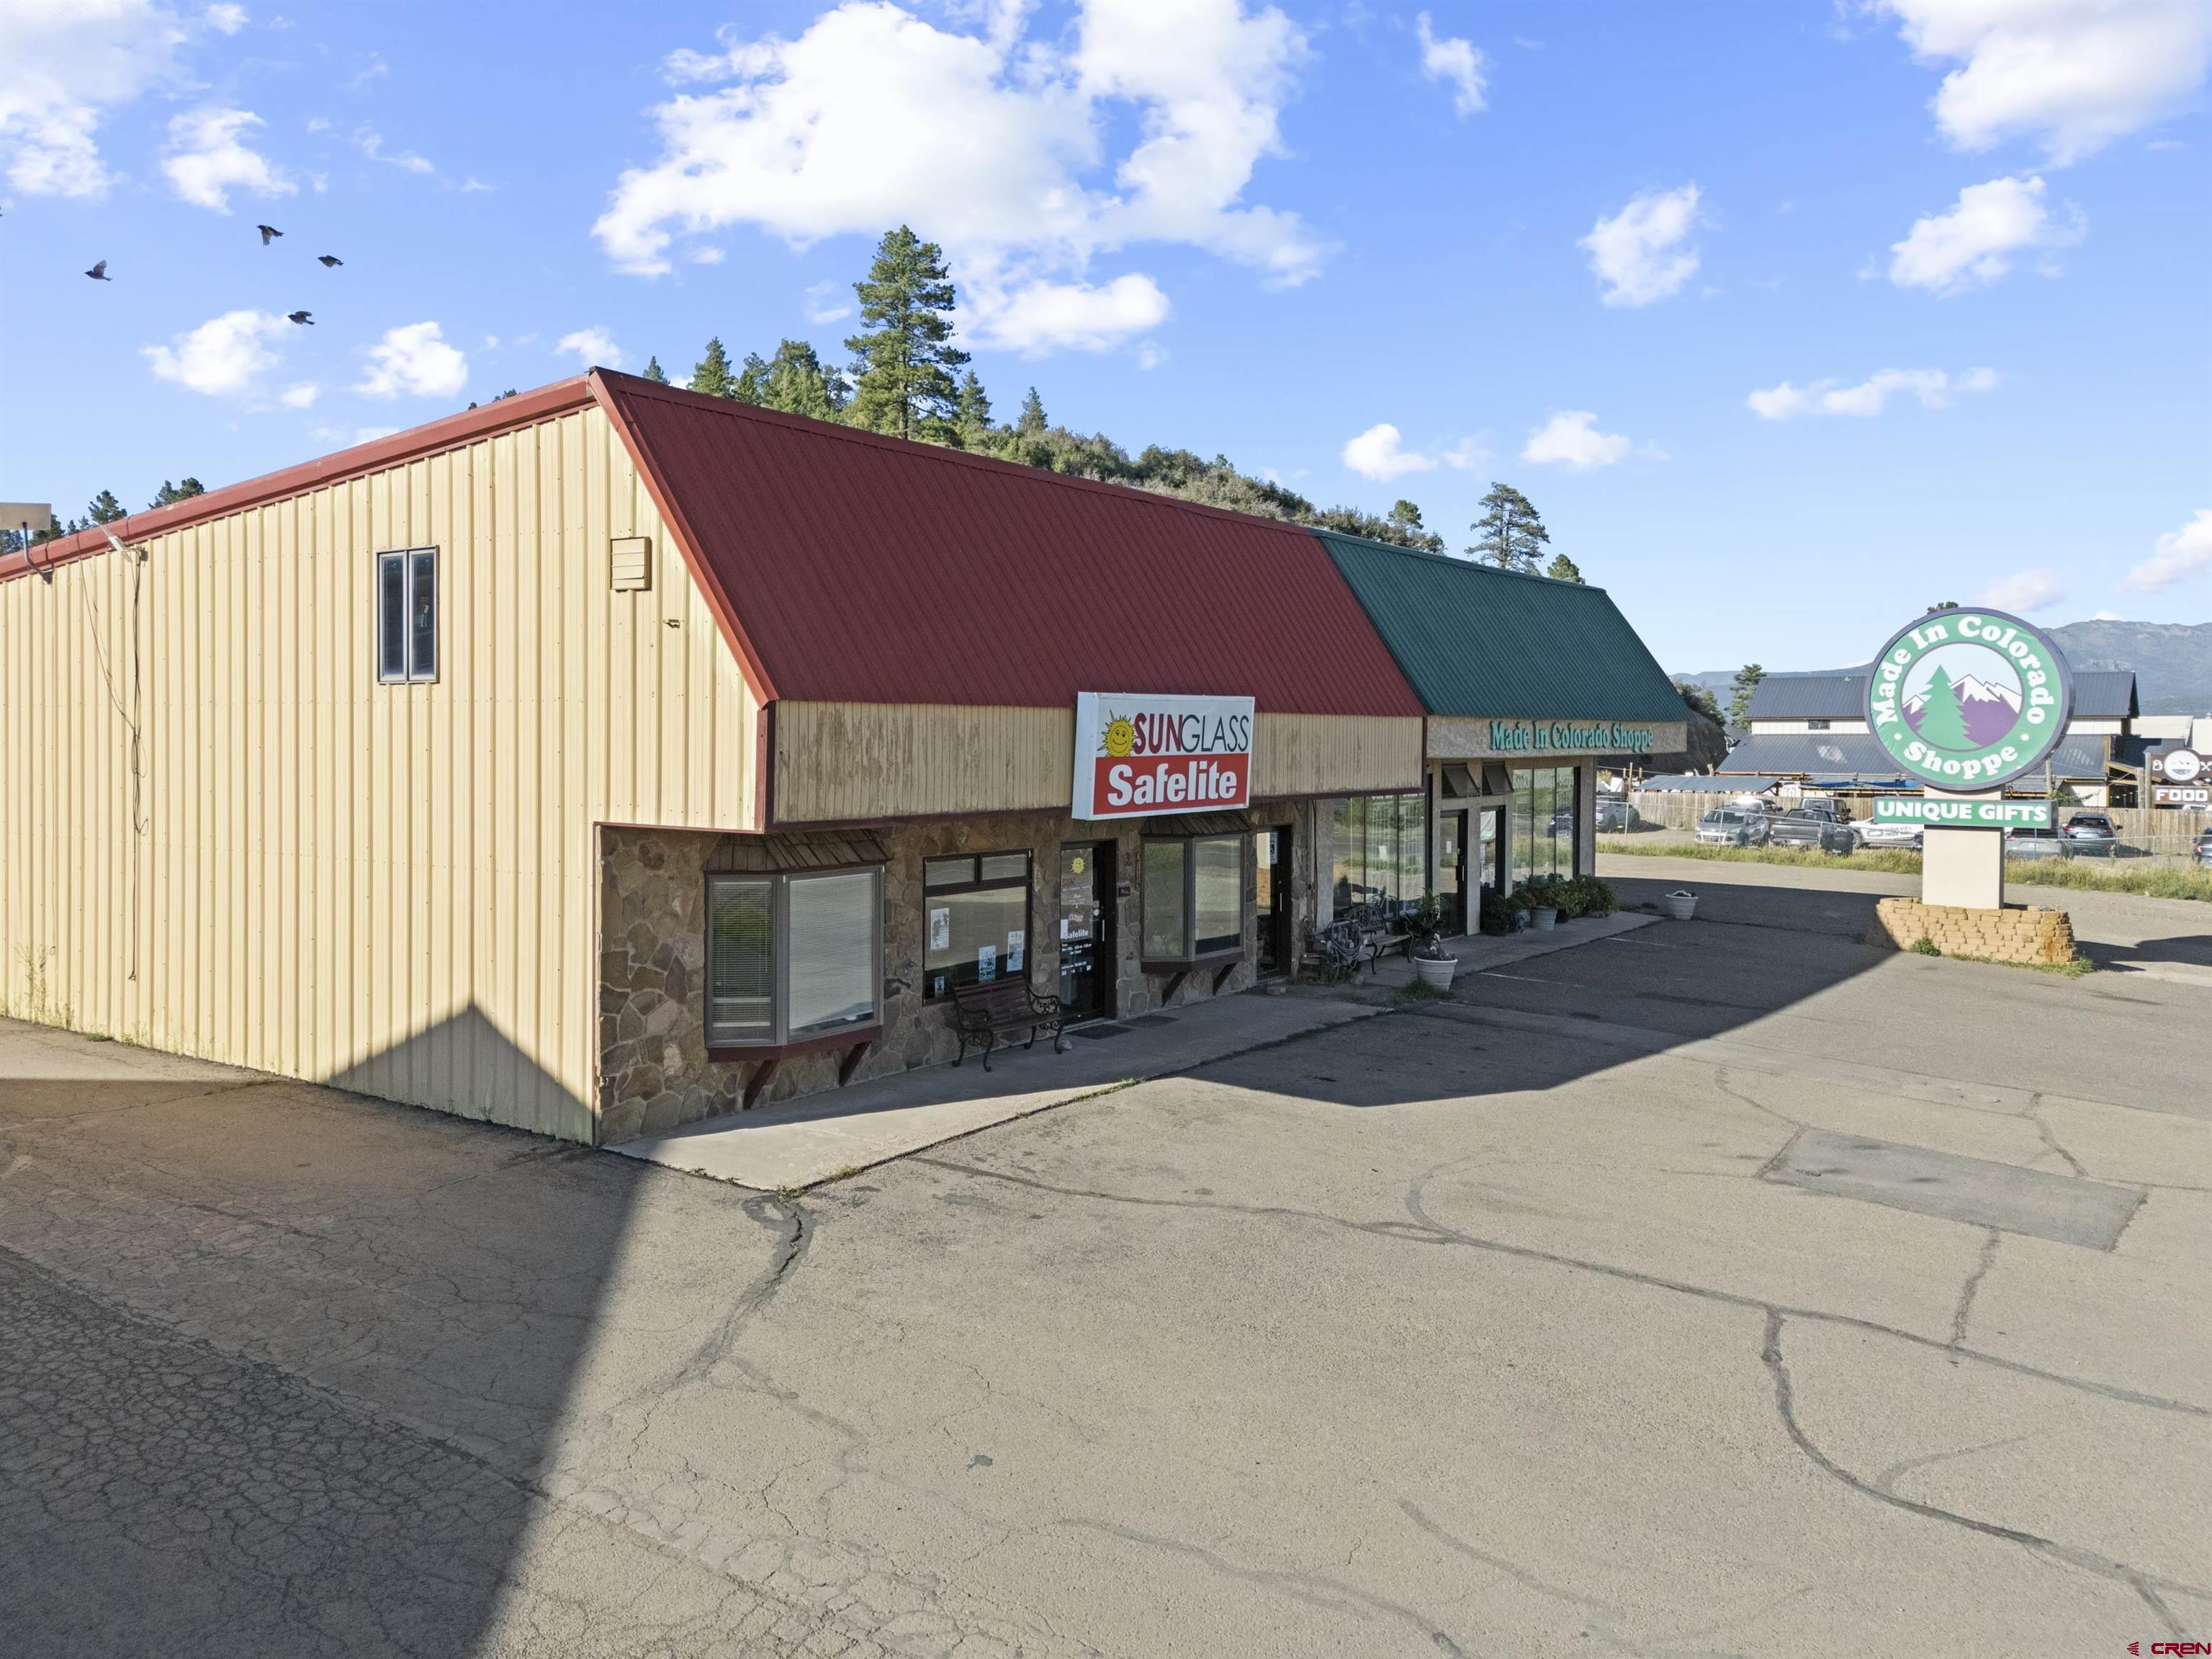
1437, 976
1682, 906
1547, 918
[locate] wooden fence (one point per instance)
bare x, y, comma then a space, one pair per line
2147, 829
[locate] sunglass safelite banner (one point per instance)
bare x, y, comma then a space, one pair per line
1139, 756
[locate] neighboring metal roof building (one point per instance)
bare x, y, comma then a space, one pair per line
860, 568
1860, 755
1706, 783
1480, 643
2105, 693
1809, 697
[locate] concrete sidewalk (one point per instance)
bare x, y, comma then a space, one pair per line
808, 1141
811, 1139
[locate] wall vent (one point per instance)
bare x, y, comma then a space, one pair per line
629, 564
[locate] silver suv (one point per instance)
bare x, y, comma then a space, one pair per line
1730, 826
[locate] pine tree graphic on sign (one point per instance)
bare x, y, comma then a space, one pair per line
1941, 723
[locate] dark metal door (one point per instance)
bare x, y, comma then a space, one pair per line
1271, 898
1086, 930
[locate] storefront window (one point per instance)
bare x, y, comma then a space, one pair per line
978, 919
1543, 829
1381, 850
792, 957
1193, 897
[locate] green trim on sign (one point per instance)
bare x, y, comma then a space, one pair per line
1969, 699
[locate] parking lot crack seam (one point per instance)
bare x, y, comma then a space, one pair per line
2050, 1139
1965, 1311
2144, 1585
1603, 1612
1311, 1588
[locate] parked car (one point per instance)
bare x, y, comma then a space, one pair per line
1877, 833
2203, 851
2092, 833
1614, 813
1821, 809
2036, 844
1803, 829
1730, 826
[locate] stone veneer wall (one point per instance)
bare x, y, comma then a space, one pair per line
655, 1074
2024, 934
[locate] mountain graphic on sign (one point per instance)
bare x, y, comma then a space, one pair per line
1984, 713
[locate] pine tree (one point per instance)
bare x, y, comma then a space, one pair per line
1942, 722
902, 368
654, 373
972, 414
178, 492
712, 376
105, 508
1031, 423
1562, 569
1740, 689
795, 381
1510, 531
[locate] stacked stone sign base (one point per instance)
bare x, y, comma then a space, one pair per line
2026, 934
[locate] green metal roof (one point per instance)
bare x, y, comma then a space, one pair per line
1489, 644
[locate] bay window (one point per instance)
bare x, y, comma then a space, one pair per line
1193, 903
793, 957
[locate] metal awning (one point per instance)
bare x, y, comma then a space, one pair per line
768, 855
1184, 826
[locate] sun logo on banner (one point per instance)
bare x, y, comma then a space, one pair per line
1120, 739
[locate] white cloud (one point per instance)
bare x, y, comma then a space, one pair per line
813, 137
370, 143
416, 361
225, 19
593, 345
1040, 316
2076, 73
369, 434
223, 356
1570, 439
1378, 453
301, 395
64, 64
1468, 455
207, 159
1151, 354
706, 255
1642, 253
1935, 388
1459, 62
2181, 554
823, 305
2106, 616
2024, 590
1975, 243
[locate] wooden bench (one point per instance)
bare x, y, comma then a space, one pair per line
1001, 1007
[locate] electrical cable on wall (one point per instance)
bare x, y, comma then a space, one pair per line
131, 719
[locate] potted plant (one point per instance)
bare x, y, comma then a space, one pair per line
1433, 965
1492, 913
1543, 901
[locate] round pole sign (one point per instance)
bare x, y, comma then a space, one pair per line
1969, 699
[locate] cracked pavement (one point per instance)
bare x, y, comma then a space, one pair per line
1483, 1328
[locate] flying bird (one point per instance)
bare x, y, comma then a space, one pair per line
99, 273
269, 233
306, 316
328, 259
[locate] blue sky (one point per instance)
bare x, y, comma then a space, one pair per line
1790, 318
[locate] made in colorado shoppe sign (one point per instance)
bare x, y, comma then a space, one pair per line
1969, 699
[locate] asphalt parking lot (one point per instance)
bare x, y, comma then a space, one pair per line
1722, 1287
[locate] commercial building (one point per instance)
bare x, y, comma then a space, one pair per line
1810, 730
611, 755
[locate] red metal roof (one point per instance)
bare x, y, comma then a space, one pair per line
860, 568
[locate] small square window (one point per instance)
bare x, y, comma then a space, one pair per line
948, 873
407, 615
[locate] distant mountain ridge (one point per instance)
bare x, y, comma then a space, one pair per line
2172, 662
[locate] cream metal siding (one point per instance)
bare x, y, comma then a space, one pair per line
1334, 754
844, 761
388, 887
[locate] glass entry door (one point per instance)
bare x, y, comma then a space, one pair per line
1451, 869
1086, 930
1491, 862
1271, 898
